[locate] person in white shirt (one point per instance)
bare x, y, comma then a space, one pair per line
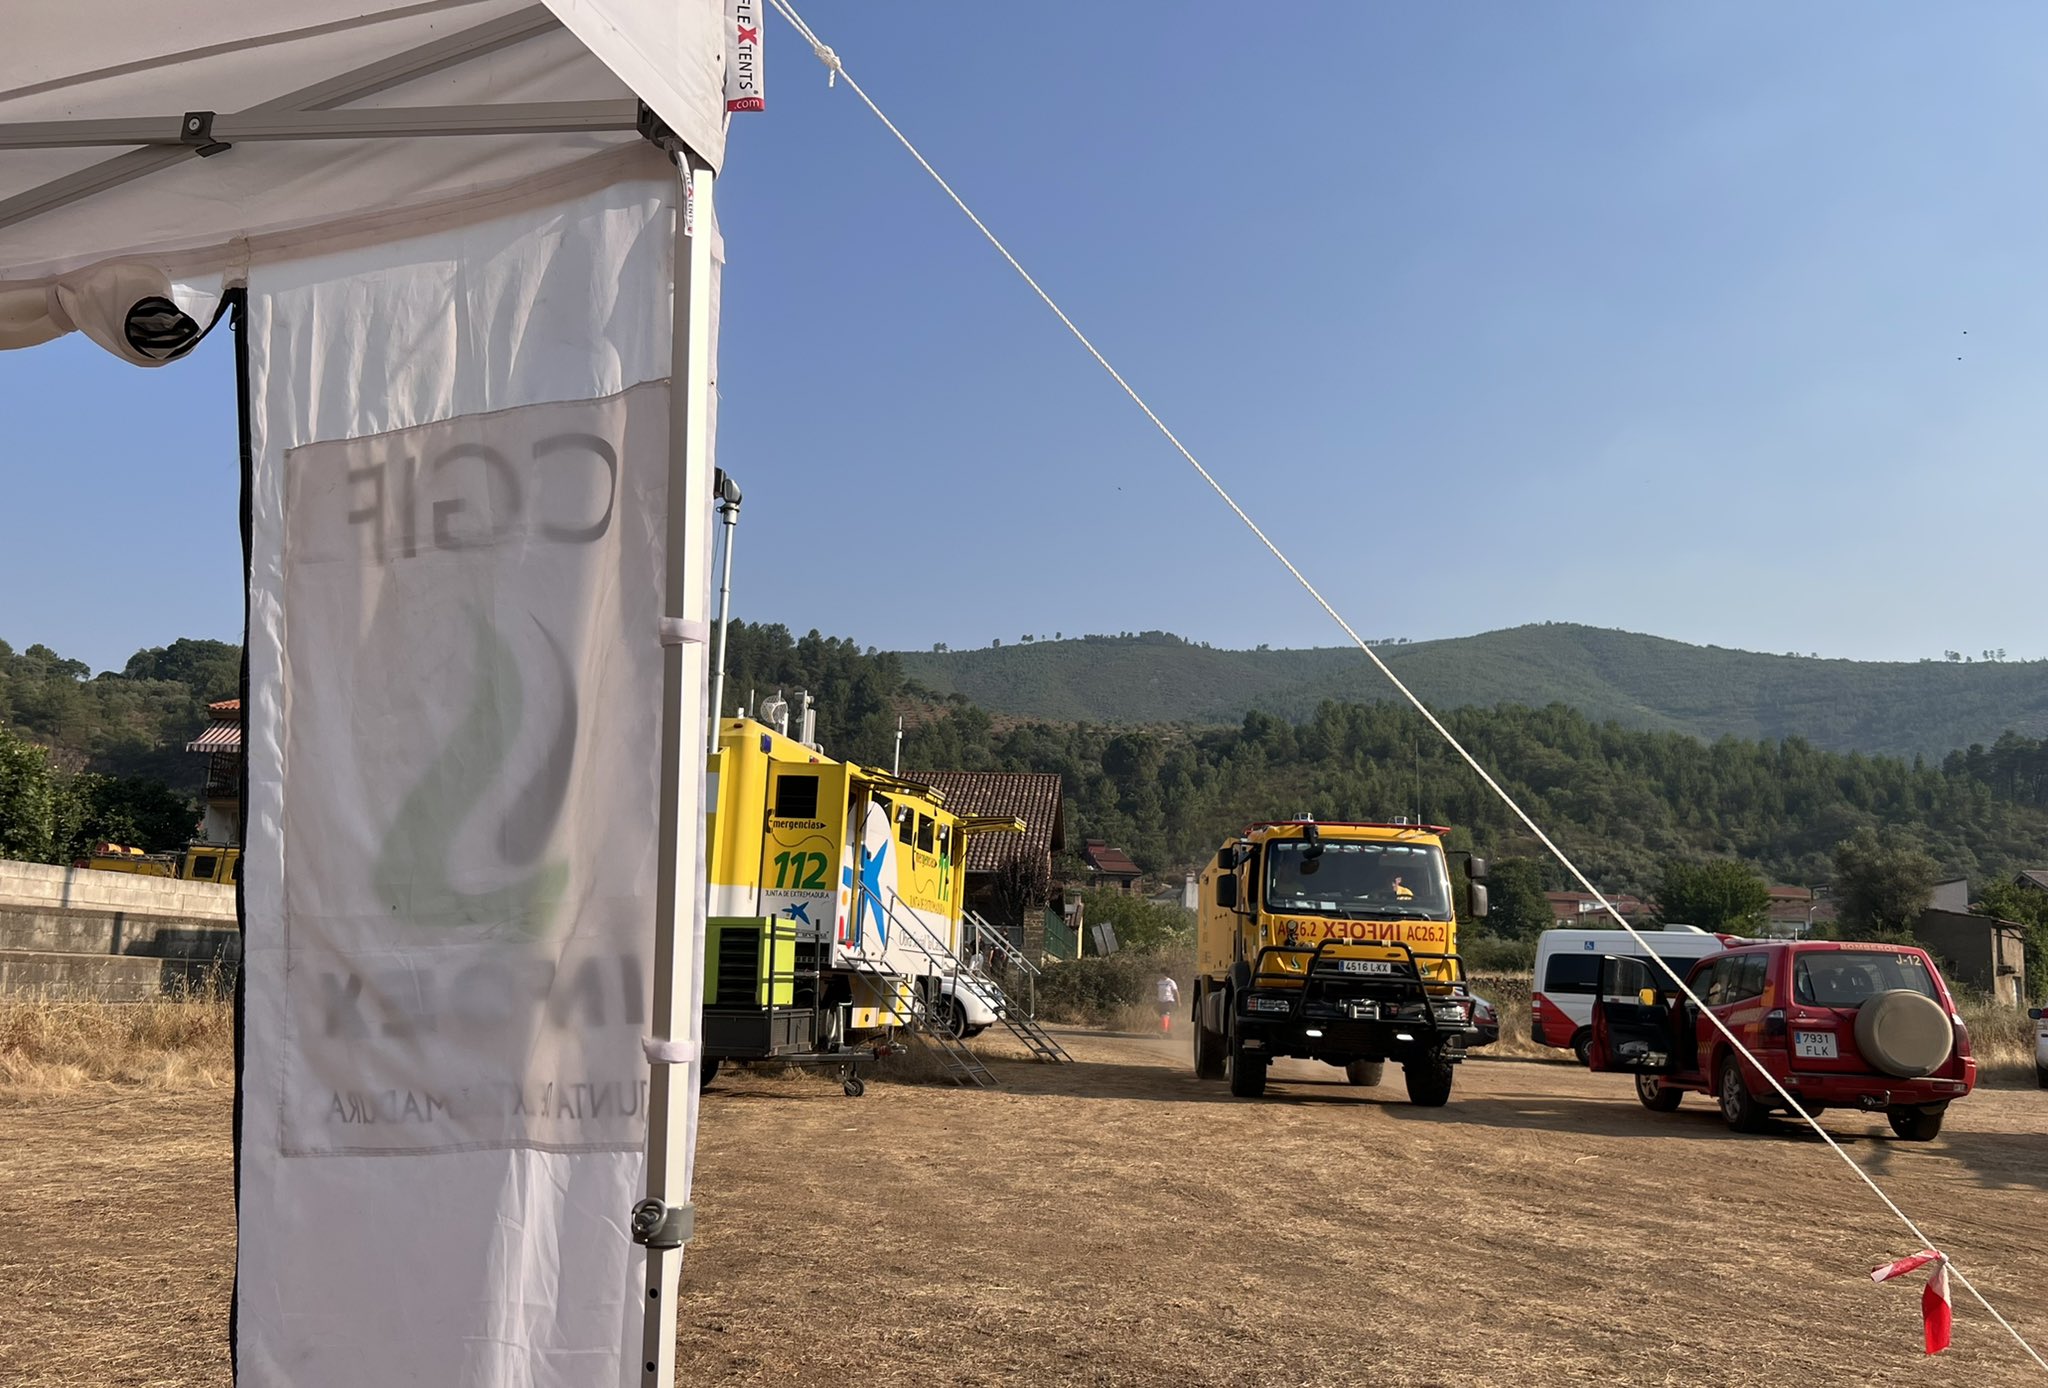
1168, 993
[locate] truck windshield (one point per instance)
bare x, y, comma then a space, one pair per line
1852, 977
1352, 878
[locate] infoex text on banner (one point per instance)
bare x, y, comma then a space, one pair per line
743, 55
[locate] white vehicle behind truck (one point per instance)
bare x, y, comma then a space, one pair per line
1568, 975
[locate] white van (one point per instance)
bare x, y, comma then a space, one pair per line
1568, 975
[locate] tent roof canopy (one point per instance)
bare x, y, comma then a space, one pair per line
194, 133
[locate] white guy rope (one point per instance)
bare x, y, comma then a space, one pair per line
836, 69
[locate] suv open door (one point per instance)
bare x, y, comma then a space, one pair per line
1633, 1026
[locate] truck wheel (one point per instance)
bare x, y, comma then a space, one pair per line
1211, 1058
707, 1071
1738, 1106
2041, 1076
1247, 1073
1582, 1046
1365, 1073
1429, 1080
1917, 1124
1656, 1095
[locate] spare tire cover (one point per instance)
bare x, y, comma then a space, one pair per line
1904, 1033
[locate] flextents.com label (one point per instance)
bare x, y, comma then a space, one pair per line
469, 849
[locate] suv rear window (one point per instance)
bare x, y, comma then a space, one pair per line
1852, 977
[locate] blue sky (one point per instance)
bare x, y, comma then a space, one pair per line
1722, 323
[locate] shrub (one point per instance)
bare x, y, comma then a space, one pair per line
1106, 990
1490, 954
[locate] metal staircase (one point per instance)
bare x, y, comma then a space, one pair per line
1019, 1020
907, 1005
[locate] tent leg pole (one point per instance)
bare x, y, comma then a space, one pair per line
238, 328
679, 897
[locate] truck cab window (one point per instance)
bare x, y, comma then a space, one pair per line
1356, 878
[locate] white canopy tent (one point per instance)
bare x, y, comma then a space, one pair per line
469, 252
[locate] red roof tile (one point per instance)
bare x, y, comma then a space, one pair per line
1112, 862
1032, 796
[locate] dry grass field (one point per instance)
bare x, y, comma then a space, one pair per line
1115, 1222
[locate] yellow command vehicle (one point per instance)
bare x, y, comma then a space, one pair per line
200, 862
1332, 942
835, 900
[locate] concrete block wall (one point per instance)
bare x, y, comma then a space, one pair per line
72, 933
89, 889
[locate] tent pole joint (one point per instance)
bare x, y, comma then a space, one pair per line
196, 130
656, 131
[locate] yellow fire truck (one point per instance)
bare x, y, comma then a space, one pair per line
1332, 942
200, 862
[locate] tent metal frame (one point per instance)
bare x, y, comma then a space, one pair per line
213, 133
679, 872
353, 85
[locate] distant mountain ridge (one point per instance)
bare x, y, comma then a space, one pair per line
1926, 708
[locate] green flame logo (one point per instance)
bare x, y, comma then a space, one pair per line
411, 874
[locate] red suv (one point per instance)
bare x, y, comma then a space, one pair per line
1840, 1025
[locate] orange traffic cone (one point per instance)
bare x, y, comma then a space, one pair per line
1165, 1023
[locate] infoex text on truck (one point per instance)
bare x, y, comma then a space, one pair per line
1332, 942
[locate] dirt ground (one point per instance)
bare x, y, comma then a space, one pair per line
1117, 1222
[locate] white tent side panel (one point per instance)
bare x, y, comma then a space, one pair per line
461, 448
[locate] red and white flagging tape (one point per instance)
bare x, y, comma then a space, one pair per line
1934, 1304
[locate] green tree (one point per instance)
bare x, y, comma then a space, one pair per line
28, 801
210, 669
1882, 880
1138, 923
1719, 895
133, 811
1516, 906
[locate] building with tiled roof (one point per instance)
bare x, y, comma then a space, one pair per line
222, 744
1032, 796
1109, 867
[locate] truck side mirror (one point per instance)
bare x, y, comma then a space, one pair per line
1226, 892
1478, 906
1475, 868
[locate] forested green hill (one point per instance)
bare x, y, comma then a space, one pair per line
1929, 708
1623, 786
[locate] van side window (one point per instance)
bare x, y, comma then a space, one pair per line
1572, 973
